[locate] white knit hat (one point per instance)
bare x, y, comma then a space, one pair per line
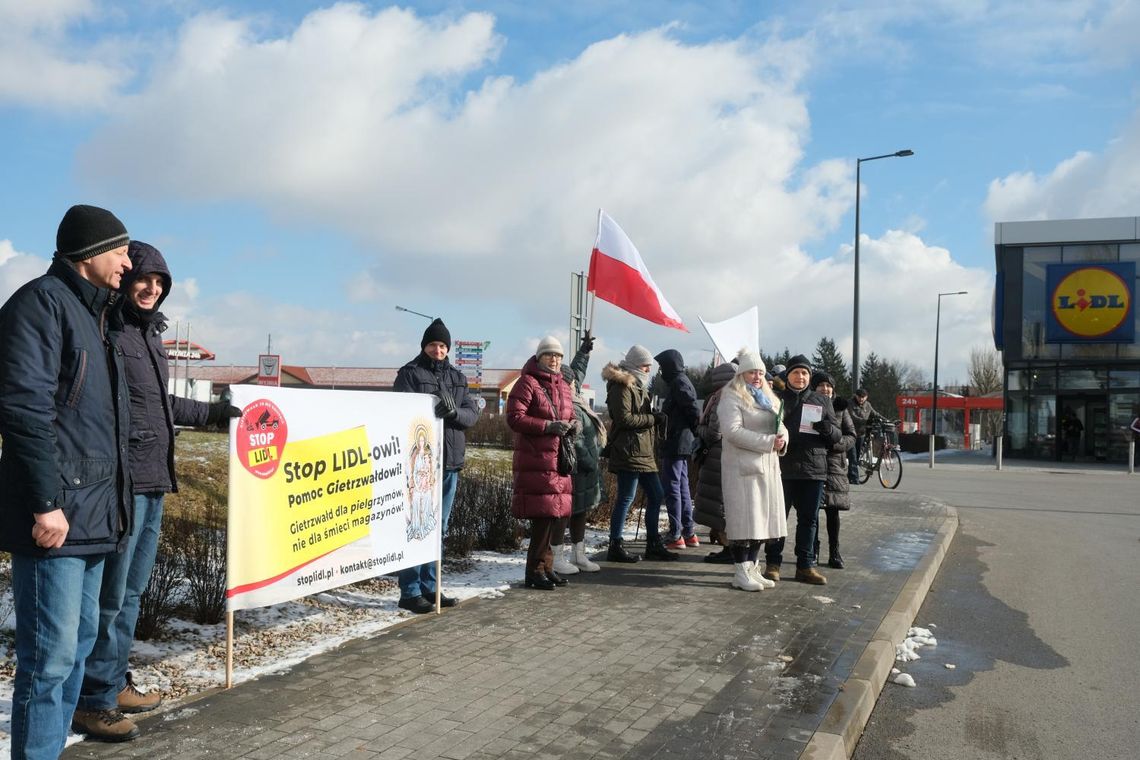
747, 360
549, 345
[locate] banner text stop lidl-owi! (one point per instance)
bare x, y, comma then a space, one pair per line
328, 488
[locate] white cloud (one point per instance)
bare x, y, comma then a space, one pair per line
16, 268
1028, 36
483, 190
1085, 185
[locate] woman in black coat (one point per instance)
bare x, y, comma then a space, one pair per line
837, 490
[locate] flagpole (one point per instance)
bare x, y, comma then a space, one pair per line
591, 296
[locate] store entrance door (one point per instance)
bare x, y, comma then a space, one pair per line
1082, 427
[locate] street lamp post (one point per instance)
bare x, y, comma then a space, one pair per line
855, 319
934, 393
418, 314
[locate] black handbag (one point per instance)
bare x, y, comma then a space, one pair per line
567, 454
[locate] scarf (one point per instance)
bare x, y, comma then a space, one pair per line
761, 398
642, 378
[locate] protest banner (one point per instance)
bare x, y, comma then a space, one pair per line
328, 488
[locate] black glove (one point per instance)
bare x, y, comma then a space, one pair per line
221, 413
821, 426
587, 343
445, 407
557, 427
575, 427
660, 419
839, 404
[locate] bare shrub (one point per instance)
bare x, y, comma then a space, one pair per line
481, 515
7, 601
159, 600
490, 430
202, 546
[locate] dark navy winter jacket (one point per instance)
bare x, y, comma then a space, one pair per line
63, 415
807, 452
425, 375
154, 412
680, 406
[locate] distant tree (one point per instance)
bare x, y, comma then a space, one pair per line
985, 375
828, 359
912, 376
883, 382
781, 358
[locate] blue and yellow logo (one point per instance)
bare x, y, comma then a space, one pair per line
1091, 303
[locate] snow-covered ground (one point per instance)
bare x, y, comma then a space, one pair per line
191, 658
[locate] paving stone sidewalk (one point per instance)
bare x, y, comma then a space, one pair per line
654, 660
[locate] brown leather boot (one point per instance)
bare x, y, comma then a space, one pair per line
104, 725
131, 700
771, 572
810, 575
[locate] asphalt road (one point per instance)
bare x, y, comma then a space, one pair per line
1037, 605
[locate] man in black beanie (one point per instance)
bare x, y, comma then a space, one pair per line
430, 372
812, 431
64, 487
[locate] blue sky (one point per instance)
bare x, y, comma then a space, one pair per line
306, 167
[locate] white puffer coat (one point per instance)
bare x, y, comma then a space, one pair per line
750, 470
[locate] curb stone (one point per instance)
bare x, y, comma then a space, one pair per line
845, 720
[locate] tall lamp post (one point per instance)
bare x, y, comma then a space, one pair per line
934, 394
418, 314
855, 319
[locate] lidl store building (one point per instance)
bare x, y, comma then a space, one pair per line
1066, 323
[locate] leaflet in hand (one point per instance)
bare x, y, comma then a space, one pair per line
812, 413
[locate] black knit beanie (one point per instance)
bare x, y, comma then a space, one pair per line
437, 331
799, 360
87, 231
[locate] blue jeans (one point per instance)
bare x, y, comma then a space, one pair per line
125, 577
626, 490
678, 498
420, 580
57, 615
804, 496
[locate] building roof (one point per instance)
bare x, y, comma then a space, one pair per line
328, 377
1051, 231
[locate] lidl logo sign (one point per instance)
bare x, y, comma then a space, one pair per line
1091, 303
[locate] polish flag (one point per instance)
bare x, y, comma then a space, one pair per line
618, 275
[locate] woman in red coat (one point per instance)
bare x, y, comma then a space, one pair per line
540, 410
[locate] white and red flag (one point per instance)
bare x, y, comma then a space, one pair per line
618, 275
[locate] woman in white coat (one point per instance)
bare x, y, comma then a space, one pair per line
752, 438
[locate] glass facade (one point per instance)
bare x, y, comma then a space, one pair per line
1064, 401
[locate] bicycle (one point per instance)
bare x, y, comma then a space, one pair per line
880, 453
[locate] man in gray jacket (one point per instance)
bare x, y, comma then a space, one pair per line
64, 486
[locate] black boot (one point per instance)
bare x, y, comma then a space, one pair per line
834, 560
556, 579
723, 557
655, 549
617, 553
815, 555
539, 581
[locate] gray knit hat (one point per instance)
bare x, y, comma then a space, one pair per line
637, 356
549, 345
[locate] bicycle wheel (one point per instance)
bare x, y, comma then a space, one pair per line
890, 469
866, 464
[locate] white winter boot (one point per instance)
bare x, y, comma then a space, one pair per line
742, 579
580, 559
756, 570
561, 566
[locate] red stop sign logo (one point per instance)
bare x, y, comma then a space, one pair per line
261, 437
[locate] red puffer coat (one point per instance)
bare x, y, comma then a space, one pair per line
539, 490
